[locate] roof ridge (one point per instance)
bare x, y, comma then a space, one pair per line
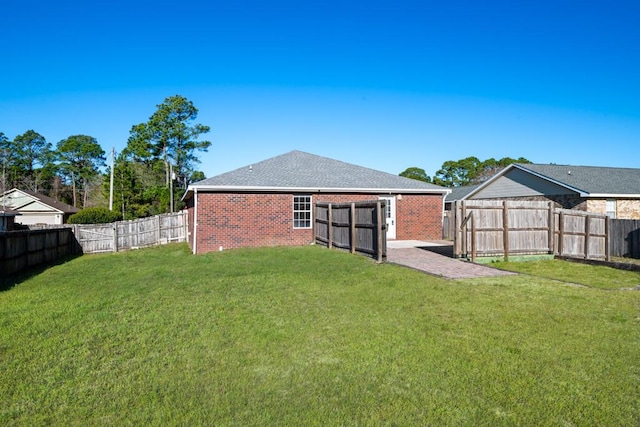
299, 169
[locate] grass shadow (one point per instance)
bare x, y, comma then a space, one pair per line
9, 281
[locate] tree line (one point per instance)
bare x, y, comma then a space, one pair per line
463, 172
160, 154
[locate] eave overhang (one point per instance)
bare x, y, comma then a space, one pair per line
312, 190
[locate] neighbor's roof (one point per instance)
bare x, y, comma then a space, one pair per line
300, 171
458, 193
589, 181
63, 207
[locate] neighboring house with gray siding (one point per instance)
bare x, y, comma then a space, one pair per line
604, 190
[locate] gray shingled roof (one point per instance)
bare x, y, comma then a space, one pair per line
65, 208
300, 170
591, 179
457, 193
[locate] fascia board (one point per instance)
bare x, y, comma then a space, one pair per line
231, 188
609, 196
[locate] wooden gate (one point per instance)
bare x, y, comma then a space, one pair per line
358, 227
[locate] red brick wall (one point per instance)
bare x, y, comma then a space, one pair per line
255, 220
419, 217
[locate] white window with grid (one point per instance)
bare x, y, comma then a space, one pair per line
611, 208
301, 211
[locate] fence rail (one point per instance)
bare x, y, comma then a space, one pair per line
358, 227
504, 228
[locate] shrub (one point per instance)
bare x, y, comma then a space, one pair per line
95, 216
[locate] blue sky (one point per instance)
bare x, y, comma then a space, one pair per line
382, 84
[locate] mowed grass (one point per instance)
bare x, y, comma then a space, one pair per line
594, 276
308, 336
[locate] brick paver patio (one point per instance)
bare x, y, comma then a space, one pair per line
433, 259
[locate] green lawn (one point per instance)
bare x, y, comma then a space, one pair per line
587, 275
308, 336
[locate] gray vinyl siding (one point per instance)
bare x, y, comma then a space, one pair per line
517, 183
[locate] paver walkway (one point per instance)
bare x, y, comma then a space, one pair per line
424, 256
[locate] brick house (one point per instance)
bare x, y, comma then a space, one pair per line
605, 190
270, 203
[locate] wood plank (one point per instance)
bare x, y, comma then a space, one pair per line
473, 238
587, 235
353, 228
550, 228
380, 219
505, 230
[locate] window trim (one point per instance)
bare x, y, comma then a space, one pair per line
298, 217
611, 203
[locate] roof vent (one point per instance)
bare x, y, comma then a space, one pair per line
251, 168
568, 172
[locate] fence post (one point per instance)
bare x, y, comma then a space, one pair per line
330, 227
505, 230
552, 228
607, 240
463, 230
158, 230
456, 229
379, 219
353, 228
314, 227
587, 235
473, 238
561, 233
115, 237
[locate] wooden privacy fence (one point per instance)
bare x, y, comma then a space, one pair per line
448, 225
359, 227
625, 238
122, 235
504, 228
20, 250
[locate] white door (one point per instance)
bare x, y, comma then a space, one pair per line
390, 216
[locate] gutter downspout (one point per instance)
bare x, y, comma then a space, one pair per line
195, 221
